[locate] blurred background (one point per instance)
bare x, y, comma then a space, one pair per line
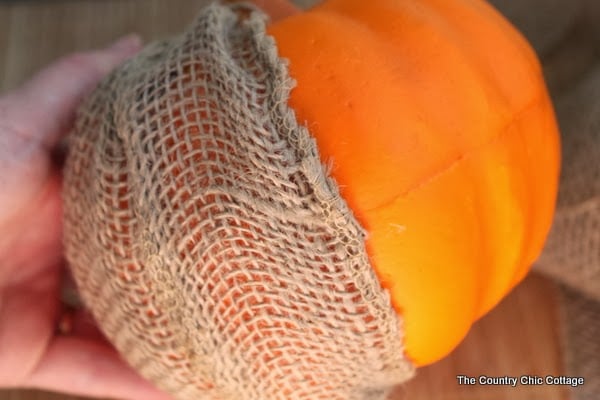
526, 333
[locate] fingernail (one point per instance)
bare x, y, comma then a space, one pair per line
132, 42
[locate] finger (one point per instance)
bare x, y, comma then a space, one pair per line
88, 368
44, 107
25, 315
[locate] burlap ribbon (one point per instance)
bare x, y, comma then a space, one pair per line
262, 331
207, 238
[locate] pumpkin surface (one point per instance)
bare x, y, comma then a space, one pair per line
442, 138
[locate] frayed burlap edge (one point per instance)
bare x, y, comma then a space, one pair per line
107, 142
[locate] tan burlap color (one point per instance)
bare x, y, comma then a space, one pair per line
206, 237
572, 252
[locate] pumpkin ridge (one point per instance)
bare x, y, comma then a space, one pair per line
459, 47
425, 180
483, 225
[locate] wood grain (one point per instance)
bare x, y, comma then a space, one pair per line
520, 336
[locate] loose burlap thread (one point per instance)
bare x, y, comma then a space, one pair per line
205, 234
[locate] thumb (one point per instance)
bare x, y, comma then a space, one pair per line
43, 108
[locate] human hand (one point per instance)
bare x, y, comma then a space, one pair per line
33, 353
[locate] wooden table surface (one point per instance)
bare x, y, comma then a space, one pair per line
521, 336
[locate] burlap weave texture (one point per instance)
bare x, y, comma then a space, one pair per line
572, 252
206, 237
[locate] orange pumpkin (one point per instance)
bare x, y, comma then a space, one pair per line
444, 143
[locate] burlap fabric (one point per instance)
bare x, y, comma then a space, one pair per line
572, 252
206, 237
566, 35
